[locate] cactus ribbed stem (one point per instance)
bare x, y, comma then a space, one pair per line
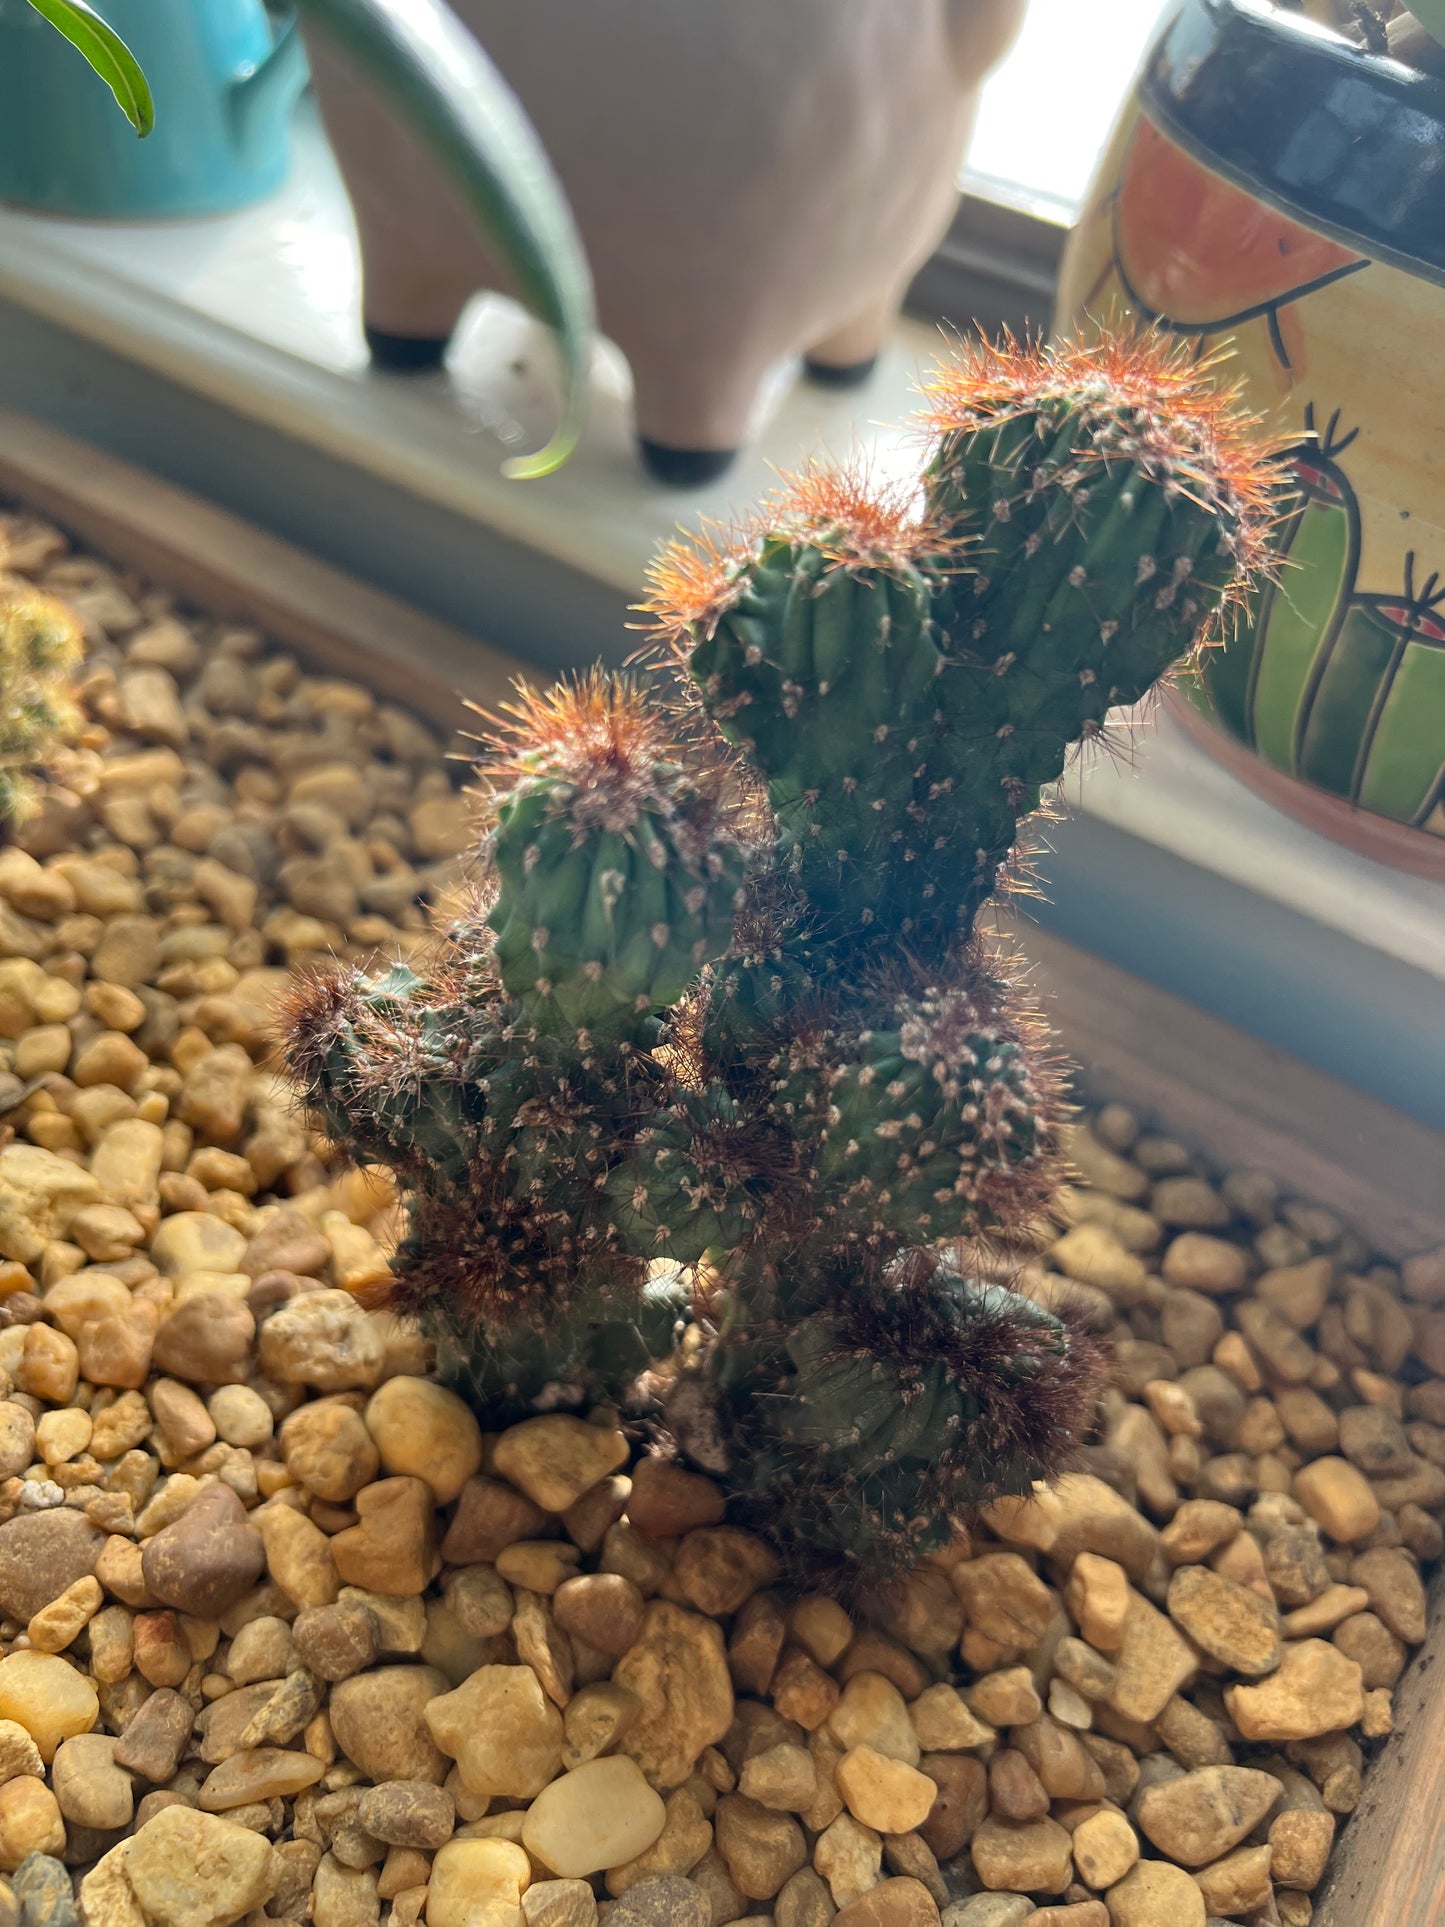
724, 1009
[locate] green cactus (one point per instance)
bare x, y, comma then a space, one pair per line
615, 882
40, 647
865, 1433
726, 1010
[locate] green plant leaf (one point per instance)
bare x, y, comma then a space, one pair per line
434, 73
108, 54
1431, 15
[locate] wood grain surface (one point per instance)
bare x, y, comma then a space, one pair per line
1238, 1100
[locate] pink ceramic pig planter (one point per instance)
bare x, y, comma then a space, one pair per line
753, 179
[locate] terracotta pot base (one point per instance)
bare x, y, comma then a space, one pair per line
1395, 844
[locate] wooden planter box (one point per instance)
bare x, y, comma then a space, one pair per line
1233, 1098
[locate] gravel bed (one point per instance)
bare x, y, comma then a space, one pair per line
285, 1636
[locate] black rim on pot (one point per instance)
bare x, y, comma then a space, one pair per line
1351, 143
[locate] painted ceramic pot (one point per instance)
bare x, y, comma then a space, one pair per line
1272, 188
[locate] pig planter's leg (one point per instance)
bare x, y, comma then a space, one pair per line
846, 358
692, 409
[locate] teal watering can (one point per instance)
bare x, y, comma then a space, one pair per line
224, 81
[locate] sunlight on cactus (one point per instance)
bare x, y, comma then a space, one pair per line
39, 652
693, 1097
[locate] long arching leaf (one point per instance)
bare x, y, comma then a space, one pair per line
103, 47
423, 60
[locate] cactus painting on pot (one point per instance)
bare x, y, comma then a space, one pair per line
1226, 209
713, 1085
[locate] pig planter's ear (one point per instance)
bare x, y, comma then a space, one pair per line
436, 76
980, 33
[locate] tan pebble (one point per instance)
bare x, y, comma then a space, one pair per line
717, 1568
539, 1565
182, 1417
1098, 1595
882, 1792
598, 1816
1102, 1168
1153, 1662
1396, 1592
872, 1713
40, 1194
298, 1555
821, 1627
18, 1752
206, 1339
1005, 1698
555, 1459
1105, 1847
849, 1856
126, 1163
1004, 1599
1338, 1495
666, 1501
1196, 1262
48, 1697
62, 1435
1197, 1529
328, 1449
241, 1416
678, 1670
391, 1548
1058, 1757
1230, 1622
685, 1839
783, 1777
379, 1720
358, 1263
49, 1365
1077, 1513
943, 1722
489, 1515
1300, 1840
1334, 1605
602, 1608
1030, 1857
30, 1822
1092, 1255
1202, 1815
502, 1731
470, 1875
1015, 1791
422, 1429
595, 1720
183, 1864
1316, 1690
1156, 1894
258, 1773
901, 1902
800, 1689
55, 1626
322, 1339
1241, 1559
90, 1789
1238, 1883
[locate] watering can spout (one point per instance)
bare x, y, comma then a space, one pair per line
262, 97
